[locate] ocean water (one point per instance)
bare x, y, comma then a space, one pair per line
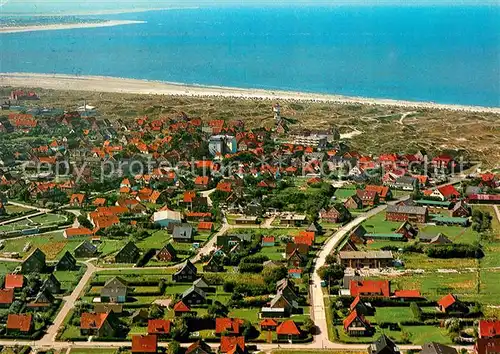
445, 54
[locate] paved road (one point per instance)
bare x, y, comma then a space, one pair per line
69, 303
497, 211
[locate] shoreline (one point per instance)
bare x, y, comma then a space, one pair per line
54, 27
136, 86
95, 13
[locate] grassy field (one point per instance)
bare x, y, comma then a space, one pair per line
92, 351
377, 224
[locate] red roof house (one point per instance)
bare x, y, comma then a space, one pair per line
144, 344
158, 326
228, 344
370, 288
288, 330
6, 296
21, 323
489, 329
449, 192
268, 324
181, 308
229, 325
14, 281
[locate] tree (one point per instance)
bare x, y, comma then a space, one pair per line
174, 347
274, 274
84, 222
417, 311
308, 326
155, 311
217, 309
331, 272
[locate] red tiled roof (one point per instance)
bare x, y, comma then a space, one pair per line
181, 307
407, 293
488, 197
224, 187
231, 325
288, 328
352, 316
448, 191
158, 326
205, 225
92, 320
447, 301
20, 322
201, 180
381, 190
268, 239
268, 322
78, 231
14, 281
489, 328
144, 344
370, 287
228, 343
6, 296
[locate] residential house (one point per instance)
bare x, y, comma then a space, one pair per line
183, 233
199, 347
357, 235
228, 326
288, 330
460, 210
205, 226
230, 345
213, 265
383, 345
282, 301
268, 241
202, 284
181, 308
487, 346
85, 250
406, 213
6, 297
368, 198
447, 192
66, 262
268, 324
140, 316
186, 273
19, 324
437, 348
128, 253
114, 290
384, 192
142, 344
369, 259
74, 232
166, 217
34, 263
42, 300
361, 307
336, 214
353, 202
194, 296
370, 288
489, 329
51, 285
159, 327
97, 324
78, 200
406, 183
407, 230
355, 324
14, 281
450, 304
167, 253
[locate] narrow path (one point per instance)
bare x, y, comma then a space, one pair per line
404, 115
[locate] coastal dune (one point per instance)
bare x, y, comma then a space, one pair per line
133, 86
19, 29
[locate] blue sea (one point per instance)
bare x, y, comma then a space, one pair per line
445, 54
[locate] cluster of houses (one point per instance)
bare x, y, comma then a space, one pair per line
39, 296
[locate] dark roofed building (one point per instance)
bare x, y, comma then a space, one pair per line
85, 250
383, 345
114, 290
186, 273
67, 262
406, 213
34, 263
128, 254
183, 233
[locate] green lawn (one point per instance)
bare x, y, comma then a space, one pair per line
11, 209
393, 314
378, 224
7, 267
344, 193
92, 351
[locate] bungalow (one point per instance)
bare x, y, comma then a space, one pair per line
51, 285
407, 230
292, 219
6, 297
407, 295
296, 259
295, 273
460, 210
74, 232
268, 324
181, 308
114, 290
450, 304
228, 326
167, 253
142, 344
370, 288
165, 217
205, 226
96, 324
447, 192
159, 327
489, 329
288, 330
353, 202
268, 241
22, 323
186, 273
336, 214
406, 183
356, 325
14, 281
199, 347
282, 301
230, 344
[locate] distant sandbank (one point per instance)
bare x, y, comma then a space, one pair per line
32, 28
122, 85
96, 12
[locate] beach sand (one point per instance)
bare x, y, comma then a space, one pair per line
18, 29
120, 85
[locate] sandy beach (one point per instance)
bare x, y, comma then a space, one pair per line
18, 29
121, 85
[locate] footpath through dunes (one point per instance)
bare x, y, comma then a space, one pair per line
122, 85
